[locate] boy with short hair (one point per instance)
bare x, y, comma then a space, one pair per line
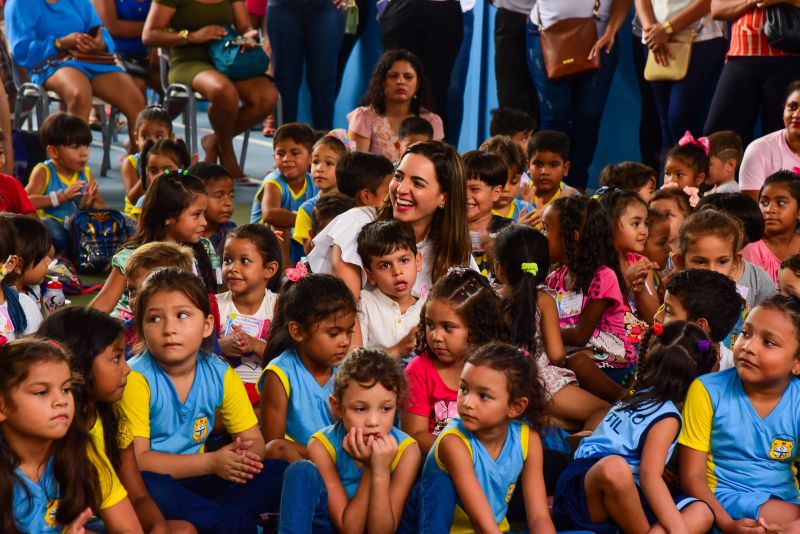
509, 205
364, 177
548, 165
389, 313
708, 299
413, 130
219, 186
515, 123
724, 155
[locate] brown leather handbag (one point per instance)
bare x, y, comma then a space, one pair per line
567, 43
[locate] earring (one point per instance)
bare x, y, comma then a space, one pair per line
441, 206
796, 371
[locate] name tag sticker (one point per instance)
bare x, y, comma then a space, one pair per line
569, 304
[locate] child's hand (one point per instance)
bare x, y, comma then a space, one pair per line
384, 449
405, 346
90, 194
229, 346
534, 218
636, 275
73, 191
245, 343
357, 447
235, 462
746, 526
77, 525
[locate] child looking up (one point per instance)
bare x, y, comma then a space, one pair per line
724, 155
19, 313
738, 444
63, 184
616, 481
674, 204
362, 467
486, 176
630, 176
219, 188
308, 339
789, 276
412, 130
509, 205
462, 311
152, 124
548, 166
514, 123
174, 394
686, 164
158, 157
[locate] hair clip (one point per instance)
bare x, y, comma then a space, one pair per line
703, 345
56, 344
530, 268
601, 191
796, 170
296, 273
341, 135
688, 139
657, 329
4, 268
182, 172
691, 192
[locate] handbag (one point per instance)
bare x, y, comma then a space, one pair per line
566, 45
231, 59
782, 28
135, 65
680, 47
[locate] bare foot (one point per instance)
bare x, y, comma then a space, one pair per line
210, 147
227, 158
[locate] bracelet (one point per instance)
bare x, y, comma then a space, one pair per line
668, 27
54, 199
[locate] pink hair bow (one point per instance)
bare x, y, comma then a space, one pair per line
688, 139
297, 272
796, 170
691, 192
342, 135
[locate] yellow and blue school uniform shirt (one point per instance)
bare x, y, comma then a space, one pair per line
155, 411
497, 478
750, 459
290, 200
350, 474
305, 215
514, 209
35, 510
623, 432
133, 210
55, 182
308, 411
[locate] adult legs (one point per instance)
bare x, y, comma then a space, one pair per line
649, 131
119, 90
737, 98
555, 98
286, 29
323, 41
349, 41
223, 112
258, 96
74, 88
444, 32
515, 87
458, 80
402, 27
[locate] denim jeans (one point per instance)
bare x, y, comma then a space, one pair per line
304, 501
458, 81
58, 234
306, 32
430, 505
214, 505
574, 106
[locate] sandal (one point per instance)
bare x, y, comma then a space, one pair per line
269, 126
246, 180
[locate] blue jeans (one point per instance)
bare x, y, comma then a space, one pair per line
304, 501
306, 32
574, 106
458, 81
58, 234
430, 505
683, 105
214, 505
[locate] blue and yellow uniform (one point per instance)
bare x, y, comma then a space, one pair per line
497, 478
290, 200
133, 210
55, 182
514, 210
308, 410
305, 215
750, 459
350, 474
173, 426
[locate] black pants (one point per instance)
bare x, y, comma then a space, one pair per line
747, 85
433, 31
515, 87
649, 130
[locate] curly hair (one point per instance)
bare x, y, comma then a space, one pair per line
522, 378
475, 302
676, 195
374, 96
367, 368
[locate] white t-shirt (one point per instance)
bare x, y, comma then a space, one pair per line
725, 357
32, 313
553, 11
763, 157
727, 187
467, 5
382, 324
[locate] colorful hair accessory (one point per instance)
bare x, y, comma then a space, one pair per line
526, 353
691, 192
530, 268
3, 268
56, 344
657, 329
3, 340
341, 135
688, 139
601, 191
182, 172
297, 272
796, 170
703, 345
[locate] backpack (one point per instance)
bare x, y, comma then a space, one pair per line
95, 236
28, 151
63, 270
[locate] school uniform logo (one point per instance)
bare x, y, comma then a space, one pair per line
510, 492
200, 429
50, 513
781, 449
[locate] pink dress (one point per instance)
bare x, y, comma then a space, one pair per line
758, 253
366, 122
428, 395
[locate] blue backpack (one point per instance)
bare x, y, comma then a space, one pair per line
96, 235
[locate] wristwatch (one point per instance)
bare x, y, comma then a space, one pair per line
668, 27
57, 43
184, 35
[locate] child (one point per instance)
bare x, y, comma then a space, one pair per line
686, 164
514, 123
589, 296
523, 260
97, 344
789, 276
779, 200
687, 299
13, 198
158, 157
412, 130
656, 248
364, 177
462, 311
250, 263
389, 314
738, 444
219, 187
724, 155
616, 480
55, 479
363, 466
327, 209
308, 338
739, 206
19, 313
152, 124
174, 394
324, 158
486, 175
548, 166
630, 176
509, 205
674, 204
63, 184
32, 249
174, 211
491, 447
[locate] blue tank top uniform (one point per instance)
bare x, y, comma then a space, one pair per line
515, 209
55, 183
290, 200
308, 411
622, 433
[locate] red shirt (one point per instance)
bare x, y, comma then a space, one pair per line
13, 197
748, 38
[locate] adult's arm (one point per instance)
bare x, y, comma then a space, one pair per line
28, 49
731, 9
117, 27
156, 34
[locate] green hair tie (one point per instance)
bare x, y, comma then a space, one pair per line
530, 268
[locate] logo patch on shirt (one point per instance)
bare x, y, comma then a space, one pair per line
50, 513
200, 429
781, 449
510, 492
